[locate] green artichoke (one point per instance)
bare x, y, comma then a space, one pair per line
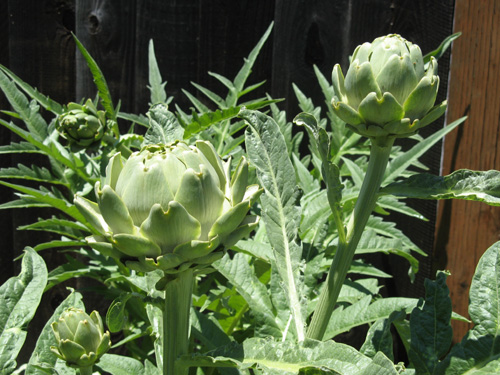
82, 125
387, 91
170, 207
81, 340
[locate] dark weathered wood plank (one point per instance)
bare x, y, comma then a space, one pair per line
41, 51
6, 269
466, 229
229, 30
174, 28
107, 30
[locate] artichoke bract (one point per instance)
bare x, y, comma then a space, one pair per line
82, 125
81, 340
388, 90
170, 207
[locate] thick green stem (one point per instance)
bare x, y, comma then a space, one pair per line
178, 296
86, 370
379, 157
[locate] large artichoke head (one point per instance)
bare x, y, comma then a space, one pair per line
80, 338
170, 207
388, 90
82, 125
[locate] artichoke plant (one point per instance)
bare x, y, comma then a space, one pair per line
388, 90
82, 125
81, 340
170, 207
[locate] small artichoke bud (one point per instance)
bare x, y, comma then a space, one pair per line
388, 90
81, 340
170, 207
82, 125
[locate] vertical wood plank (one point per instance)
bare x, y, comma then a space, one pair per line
229, 30
6, 269
41, 52
466, 229
174, 28
107, 30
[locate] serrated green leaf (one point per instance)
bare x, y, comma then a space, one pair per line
120, 365
34, 173
482, 186
255, 248
19, 298
357, 173
267, 150
284, 358
207, 330
46, 197
42, 357
244, 72
445, 44
239, 273
156, 84
480, 348
99, 80
44, 101
63, 227
431, 332
211, 95
363, 312
209, 118
18, 148
163, 126
226, 82
137, 119
398, 165
391, 203
28, 111
388, 229
381, 365
379, 337
367, 269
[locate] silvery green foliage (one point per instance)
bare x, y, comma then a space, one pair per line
170, 207
387, 89
19, 298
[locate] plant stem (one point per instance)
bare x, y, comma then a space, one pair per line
379, 157
178, 296
86, 370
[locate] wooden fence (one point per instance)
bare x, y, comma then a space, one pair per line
193, 37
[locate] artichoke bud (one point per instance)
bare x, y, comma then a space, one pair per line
82, 125
170, 207
80, 338
388, 90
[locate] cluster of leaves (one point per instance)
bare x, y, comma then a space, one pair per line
250, 315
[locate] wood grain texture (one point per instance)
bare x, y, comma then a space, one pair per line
41, 52
466, 229
107, 30
6, 269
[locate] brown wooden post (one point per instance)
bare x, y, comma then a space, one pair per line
466, 229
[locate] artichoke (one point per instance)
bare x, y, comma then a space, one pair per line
170, 207
81, 340
82, 125
388, 90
